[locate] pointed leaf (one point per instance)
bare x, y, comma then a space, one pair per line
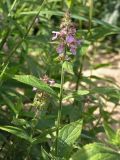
67, 137
114, 137
9, 103
109, 131
17, 132
35, 82
77, 94
96, 151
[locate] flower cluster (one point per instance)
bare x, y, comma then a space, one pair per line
66, 36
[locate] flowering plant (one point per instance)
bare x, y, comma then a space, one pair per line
66, 36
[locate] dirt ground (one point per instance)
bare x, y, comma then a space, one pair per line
112, 71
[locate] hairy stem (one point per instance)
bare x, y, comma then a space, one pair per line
79, 73
59, 110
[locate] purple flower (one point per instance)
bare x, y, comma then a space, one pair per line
70, 39
66, 36
60, 48
73, 50
78, 42
55, 35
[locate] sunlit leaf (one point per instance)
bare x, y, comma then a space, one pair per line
67, 137
35, 82
96, 151
114, 137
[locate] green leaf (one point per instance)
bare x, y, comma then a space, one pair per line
100, 33
117, 142
100, 65
109, 131
83, 49
77, 94
96, 151
17, 132
35, 82
67, 66
106, 90
67, 137
45, 155
81, 92
20, 122
114, 137
69, 3
9, 103
43, 136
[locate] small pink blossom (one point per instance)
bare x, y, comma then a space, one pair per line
60, 48
73, 50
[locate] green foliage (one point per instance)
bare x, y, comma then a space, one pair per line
16, 131
114, 137
96, 151
67, 137
43, 108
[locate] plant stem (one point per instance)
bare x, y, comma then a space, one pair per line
59, 110
79, 74
90, 14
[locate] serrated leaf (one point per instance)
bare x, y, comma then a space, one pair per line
67, 137
35, 82
95, 151
17, 132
